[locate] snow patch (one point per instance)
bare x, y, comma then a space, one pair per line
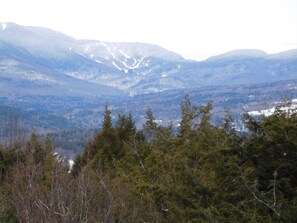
127, 65
158, 121
124, 54
269, 112
266, 112
3, 26
70, 163
114, 64
139, 62
112, 54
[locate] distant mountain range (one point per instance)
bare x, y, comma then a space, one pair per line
55, 83
40, 61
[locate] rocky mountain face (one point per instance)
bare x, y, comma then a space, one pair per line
36, 60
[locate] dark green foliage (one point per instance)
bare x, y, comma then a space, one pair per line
205, 173
187, 117
125, 127
9, 157
270, 155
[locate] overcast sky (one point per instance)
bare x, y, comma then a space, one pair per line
196, 29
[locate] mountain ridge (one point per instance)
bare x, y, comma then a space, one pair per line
131, 68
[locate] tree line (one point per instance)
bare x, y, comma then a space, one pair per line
202, 173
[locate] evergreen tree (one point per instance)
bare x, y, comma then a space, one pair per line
107, 120
207, 173
186, 118
125, 127
150, 126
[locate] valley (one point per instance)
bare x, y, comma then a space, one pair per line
55, 83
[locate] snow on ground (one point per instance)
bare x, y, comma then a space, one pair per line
124, 54
270, 111
139, 62
70, 163
266, 112
114, 64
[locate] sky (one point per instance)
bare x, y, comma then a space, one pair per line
195, 29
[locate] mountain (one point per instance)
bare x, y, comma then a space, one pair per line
29, 63
117, 65
53, 63
53, 82
246, 54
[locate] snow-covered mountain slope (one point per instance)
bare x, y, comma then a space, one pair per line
135, 68
131, 62
22, 73
120, 65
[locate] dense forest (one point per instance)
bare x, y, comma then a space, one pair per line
202, 172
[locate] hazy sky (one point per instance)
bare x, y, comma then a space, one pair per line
196, 29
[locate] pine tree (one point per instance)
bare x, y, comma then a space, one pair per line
107, 120
150, 126
125, 126
186, 118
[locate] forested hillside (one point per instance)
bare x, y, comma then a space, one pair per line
202, 173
